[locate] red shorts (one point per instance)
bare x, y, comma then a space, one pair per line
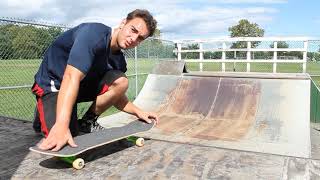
45, 113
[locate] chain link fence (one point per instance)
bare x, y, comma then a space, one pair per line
22, 45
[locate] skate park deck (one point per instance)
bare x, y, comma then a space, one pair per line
198, 137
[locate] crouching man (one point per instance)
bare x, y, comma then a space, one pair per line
84, 64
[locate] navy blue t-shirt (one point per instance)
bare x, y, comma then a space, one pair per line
85, 47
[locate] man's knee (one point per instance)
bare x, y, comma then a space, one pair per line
114, 79
121, 82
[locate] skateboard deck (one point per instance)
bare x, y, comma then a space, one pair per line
99, 138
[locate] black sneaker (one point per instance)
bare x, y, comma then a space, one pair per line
36, 126
88, 125
36, 122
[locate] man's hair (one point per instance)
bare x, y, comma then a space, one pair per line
146, 16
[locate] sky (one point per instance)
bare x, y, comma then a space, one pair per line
178, 19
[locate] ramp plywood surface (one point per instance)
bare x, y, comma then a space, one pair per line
245, 113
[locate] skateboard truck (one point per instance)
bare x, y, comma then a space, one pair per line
77, 163
138, 141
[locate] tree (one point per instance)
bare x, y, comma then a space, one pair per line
45, 37
286, 54
313, 56
24, 44
6, 36
155, 48
55, 32
212, 55
190, 55
282, 45
317, 56
244, 29
25, 41
157, 33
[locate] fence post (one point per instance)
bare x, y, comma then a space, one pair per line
305, 47
201, 56
224, 46
179, 51
136, 68
275, 56
248, 55
148, 45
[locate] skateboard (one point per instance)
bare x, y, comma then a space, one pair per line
96, 139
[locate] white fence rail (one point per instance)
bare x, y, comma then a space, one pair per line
253, 45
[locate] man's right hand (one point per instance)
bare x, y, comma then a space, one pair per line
57, 138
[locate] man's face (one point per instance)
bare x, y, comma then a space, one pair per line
132, 33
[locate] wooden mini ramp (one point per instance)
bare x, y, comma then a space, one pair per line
248, 112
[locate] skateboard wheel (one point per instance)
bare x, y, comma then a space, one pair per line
78, 163
140, 142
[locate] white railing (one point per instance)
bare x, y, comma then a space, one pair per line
225, 47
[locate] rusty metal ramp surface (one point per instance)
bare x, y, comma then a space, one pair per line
265, 115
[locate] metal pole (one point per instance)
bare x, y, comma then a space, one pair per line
248, 55
136, 68
234, 63
201, 56
275, 56
179, 51
224, 46
305, 53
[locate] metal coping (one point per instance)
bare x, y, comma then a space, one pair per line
298, 76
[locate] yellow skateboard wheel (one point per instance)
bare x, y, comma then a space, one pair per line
140, 142
78, 163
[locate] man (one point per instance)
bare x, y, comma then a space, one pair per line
85, 63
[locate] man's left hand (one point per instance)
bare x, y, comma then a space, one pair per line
148, 116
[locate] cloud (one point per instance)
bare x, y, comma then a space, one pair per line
251, 1
176, 18
211, 21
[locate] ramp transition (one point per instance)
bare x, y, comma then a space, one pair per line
248, 112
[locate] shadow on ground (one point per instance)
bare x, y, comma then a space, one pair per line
88, 156
16, 137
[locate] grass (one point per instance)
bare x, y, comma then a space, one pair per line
17, 103
313, 68
20, 103
17, 72
21, 72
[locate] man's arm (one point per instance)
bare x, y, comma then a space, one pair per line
68, 94
60, 134
125, 105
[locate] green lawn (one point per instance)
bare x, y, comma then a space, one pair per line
21, 72
313, 68
19, 103
17, 72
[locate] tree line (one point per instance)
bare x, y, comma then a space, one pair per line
25, 42
30, 42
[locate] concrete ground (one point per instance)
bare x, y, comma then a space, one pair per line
156, 160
